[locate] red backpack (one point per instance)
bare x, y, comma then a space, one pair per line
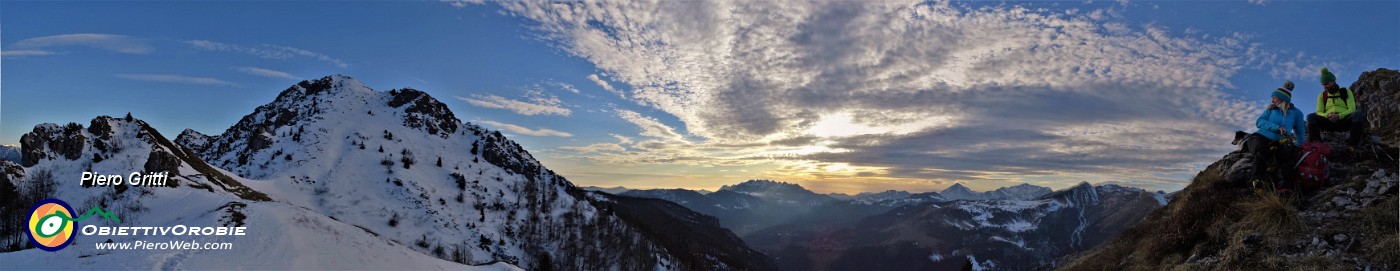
1312, 166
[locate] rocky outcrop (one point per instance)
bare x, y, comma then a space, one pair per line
161, 161
193, 140
65, 141
424, 112
1378, 93
1220, 222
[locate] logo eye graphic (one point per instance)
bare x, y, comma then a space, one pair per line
51, 225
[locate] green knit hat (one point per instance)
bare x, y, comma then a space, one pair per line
1327, 76
1282, 94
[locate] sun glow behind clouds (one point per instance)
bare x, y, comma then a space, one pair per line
902, 92
844, 124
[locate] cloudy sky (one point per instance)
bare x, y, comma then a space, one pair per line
839, 96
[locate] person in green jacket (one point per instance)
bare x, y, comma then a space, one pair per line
1336, 111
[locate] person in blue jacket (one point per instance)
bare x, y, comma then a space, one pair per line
1281, 131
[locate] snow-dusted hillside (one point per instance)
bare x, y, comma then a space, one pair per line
280, 235
401, 165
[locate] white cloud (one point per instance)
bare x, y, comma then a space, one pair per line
744, 70
538, 105
565, 87
604, 84
265, 72
15, 53
179, 79
1259, 2
599, 147
115, 43
650, 126
463, 3
892, 85
525, 131
267, 51
621, 139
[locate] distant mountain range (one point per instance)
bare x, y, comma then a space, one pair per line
10, 153
1016, 227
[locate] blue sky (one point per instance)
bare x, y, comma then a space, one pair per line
837, 96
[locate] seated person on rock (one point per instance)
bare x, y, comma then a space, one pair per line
1275, 140
1336, 111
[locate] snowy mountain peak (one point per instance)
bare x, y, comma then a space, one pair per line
1021, 191
10, 153
335, 82
334, 146
957, 188
194, 140
958, 191
334, 110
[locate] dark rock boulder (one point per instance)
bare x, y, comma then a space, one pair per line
162, 161
66, 141
424, 112
1378, 93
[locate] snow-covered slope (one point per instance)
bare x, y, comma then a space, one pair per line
279, 235
400, 164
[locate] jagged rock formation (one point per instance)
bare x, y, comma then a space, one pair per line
1378, 93
194, 140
